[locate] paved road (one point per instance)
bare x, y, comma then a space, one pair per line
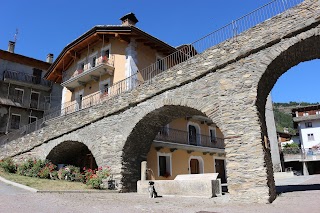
17, 200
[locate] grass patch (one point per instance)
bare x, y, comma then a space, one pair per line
44, 184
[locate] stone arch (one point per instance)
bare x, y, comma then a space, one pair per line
304, 50
72, 153
290, 52
139, 141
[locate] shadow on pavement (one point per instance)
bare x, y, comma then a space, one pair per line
296, 188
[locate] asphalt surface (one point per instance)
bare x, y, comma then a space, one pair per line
298, 194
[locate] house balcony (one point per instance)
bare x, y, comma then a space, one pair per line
23, 79
174, 138
297, 154
16, 100
82, 77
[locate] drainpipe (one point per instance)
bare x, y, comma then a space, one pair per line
8, 91
7, 127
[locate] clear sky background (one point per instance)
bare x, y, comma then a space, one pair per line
48, 26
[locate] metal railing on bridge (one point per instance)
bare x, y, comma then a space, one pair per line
186, 52
73, 106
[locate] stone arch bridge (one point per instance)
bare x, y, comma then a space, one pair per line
229, 83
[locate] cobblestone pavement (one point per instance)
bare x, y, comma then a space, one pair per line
293, 199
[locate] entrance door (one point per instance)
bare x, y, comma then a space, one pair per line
220, 168
194, 166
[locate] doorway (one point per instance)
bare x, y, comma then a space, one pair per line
220, 168
194, 166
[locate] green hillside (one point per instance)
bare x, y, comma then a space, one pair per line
282, 114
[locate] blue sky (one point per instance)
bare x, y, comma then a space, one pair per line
48, 26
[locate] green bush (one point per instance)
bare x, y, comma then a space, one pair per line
94, 178
8, 165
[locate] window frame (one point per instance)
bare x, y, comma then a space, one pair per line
198, 132
102, 84
38, 98
30, 116
308, 124
310, 137
18, 115
19, 89
214, 129
168, 156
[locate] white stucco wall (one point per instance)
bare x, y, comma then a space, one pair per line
304, 131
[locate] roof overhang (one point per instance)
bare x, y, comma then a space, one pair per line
97, 34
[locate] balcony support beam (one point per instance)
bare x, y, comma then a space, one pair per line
94, 77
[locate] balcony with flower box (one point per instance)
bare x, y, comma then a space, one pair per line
81, 77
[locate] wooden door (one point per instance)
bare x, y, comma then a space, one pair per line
220, 168
194, 166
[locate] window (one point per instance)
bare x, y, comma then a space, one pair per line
305, 114
194, 133
212, 132
37, 76
80, 67
15, 121
310, 137
32, 119
308, 124
106, 53
160, 64
317, 112
34, 102
164, 164
93, 64
104, 87
18, 95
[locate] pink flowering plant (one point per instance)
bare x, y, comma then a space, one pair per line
94, 178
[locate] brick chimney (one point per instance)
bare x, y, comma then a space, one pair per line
11, 46
129, 20
49, 58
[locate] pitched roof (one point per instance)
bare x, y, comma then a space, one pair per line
21, 59
94, 34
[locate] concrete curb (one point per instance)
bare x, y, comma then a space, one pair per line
77, 191
18, 185
54, 191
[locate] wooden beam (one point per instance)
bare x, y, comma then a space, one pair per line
122, 38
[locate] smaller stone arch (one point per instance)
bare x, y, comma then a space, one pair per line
72, 153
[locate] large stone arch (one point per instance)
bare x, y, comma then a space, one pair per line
140, 139
301, 48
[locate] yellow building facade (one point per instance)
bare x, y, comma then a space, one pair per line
190, 145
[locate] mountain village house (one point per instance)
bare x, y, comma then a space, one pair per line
109, 60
